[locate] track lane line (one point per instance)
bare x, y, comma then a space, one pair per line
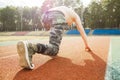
107, 74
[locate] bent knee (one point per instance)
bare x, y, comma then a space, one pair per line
54, 52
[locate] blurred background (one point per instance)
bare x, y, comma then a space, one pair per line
25, 15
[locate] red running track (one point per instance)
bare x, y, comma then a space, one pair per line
72, 63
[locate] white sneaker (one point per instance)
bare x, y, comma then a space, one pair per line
25, 54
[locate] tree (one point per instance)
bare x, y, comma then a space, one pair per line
103, 14
113, 11
7, 18
35, 20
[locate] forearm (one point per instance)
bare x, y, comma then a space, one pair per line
81, 30
83, 35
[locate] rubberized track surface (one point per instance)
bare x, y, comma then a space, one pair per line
72, 63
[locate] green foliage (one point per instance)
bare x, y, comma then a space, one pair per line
103, 14
18, 18
7, 18
99, 14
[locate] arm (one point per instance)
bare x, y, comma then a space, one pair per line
82, 32
71, 17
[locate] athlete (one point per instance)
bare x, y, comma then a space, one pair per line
55, 20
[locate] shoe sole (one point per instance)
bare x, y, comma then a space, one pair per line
23, 54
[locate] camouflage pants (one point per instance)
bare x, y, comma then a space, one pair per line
56, 31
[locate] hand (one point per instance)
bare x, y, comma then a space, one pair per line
87, 49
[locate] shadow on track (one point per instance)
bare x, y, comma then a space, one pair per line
62, 68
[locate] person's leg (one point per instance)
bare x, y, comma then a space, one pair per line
55, 19
54, 42
25, 51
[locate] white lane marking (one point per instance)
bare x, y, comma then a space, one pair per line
109, 62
